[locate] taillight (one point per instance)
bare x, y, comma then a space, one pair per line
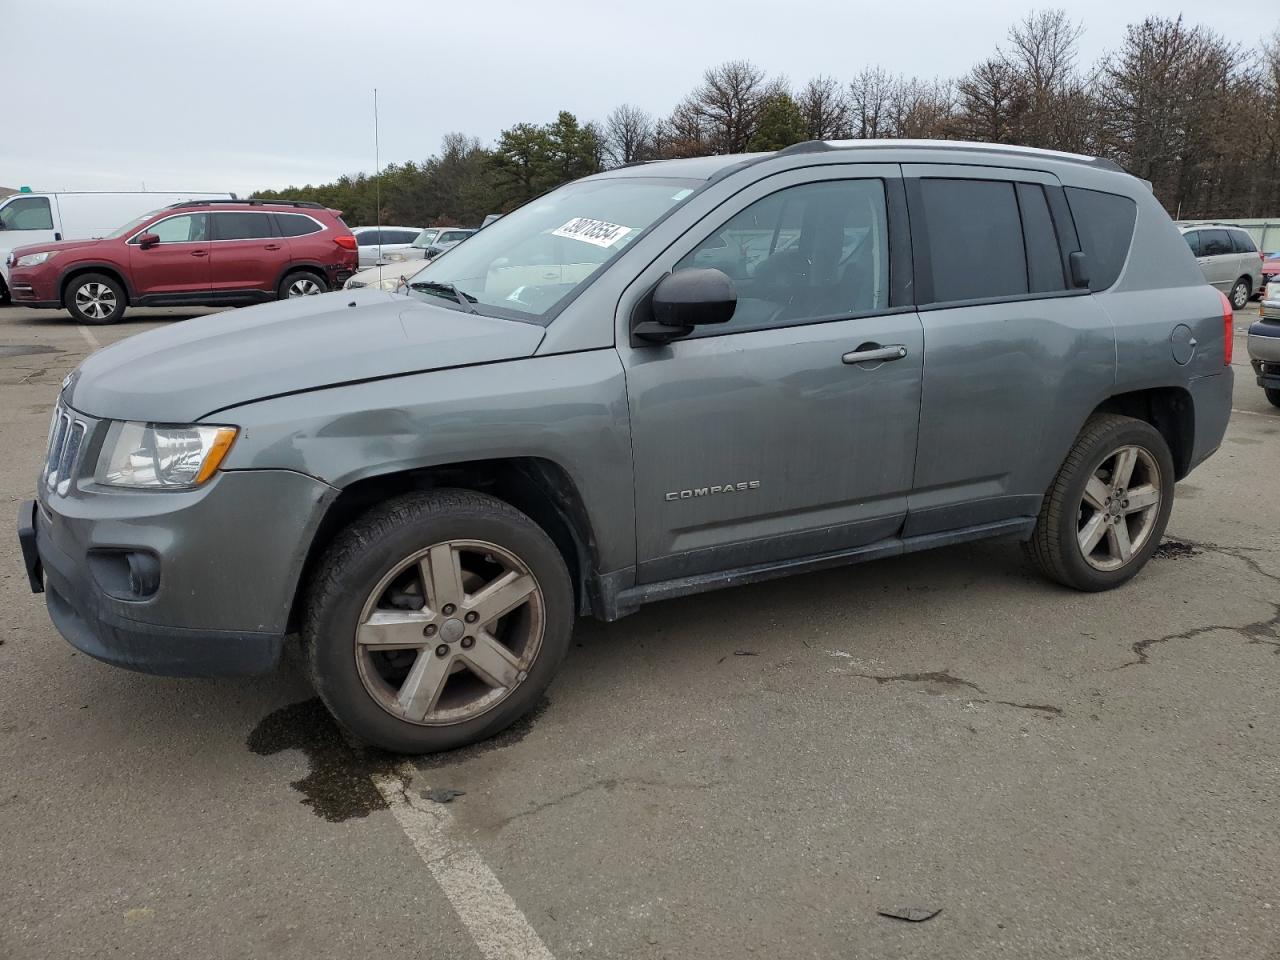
346, 242
1228, 334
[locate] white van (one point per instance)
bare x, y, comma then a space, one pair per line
40, 217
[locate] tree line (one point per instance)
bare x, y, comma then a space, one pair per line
1181, 106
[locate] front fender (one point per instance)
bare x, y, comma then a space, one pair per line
569, 409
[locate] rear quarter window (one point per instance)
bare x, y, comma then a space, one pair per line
296, 225
1104, 223
1241, 242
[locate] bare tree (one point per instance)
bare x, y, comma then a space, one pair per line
628, 135
921, 109
1042, 55
869, 95
728, 101
993, 102
683, 134
825, 109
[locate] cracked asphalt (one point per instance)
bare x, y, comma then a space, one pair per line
757, 771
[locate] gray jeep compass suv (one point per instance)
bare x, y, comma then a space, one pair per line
651, 382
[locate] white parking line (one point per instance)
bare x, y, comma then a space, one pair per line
492, 918
89, 337
1251, 413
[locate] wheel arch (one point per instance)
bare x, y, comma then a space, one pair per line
1171, 410
79, 269
539, 488
303, 266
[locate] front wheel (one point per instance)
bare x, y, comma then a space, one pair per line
437, 620
1273, 395
95, 298
301, 283
1107, 508
1240, 294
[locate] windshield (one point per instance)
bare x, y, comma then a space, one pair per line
531, 260
424, 239
133, 225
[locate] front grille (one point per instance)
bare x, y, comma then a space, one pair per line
66, 437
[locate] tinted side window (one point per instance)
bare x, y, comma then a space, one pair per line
296, 225
975, 239
1214, 243
1104, 222
1044, 259
398, 236
27, 213
367, 238
242, 226
816, 250
1241, 242
1193, 241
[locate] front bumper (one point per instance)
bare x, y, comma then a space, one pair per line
1264, 350
30, 287
229, 557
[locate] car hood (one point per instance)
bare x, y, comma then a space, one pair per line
59, 245
188, 370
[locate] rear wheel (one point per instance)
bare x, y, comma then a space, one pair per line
437, 620
1273, 395
1107, 509
1240, 294
95, 298
301, 283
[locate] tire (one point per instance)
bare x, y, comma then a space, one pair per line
1240, 294
301, 283
1273, 395
377, 581
95, 299
1067, 516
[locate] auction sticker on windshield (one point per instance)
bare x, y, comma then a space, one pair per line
598, 232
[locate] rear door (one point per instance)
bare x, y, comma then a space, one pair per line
178, 264
1014, 357
367, 242
247, 253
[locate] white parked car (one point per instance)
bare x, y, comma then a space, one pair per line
388, 276
27, 218
375, 243
430, 243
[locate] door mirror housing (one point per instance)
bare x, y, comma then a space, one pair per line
147, 240
684, 300
1079, 269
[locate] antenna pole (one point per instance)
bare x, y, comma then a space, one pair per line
377, 173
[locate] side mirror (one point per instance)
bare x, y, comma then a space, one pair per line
147, 240
1079, 269
684, 300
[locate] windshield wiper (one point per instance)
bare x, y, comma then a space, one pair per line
437, 286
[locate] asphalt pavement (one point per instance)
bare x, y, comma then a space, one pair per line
754, 772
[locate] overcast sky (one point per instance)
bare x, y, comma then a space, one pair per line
245, 94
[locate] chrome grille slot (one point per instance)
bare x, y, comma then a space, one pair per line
65, 439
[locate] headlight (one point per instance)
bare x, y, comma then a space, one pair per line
390, 283
156, 455
395, 257
34, 259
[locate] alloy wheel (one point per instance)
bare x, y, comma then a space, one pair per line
96, 300
450, 632
1240, 296
304, 287
1119, 508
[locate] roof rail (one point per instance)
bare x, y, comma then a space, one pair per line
821, 146
306, 204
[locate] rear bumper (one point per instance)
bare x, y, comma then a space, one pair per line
1264, 352
1211, 399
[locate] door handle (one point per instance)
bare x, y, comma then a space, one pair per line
199, 253
272, 246
873, 352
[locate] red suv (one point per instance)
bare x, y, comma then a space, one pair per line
200, 252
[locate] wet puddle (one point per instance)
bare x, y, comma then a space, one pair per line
26, 349
338, 785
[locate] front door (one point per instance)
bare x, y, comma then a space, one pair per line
179, 263
790, 431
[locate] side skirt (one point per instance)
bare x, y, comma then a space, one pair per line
614, 600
